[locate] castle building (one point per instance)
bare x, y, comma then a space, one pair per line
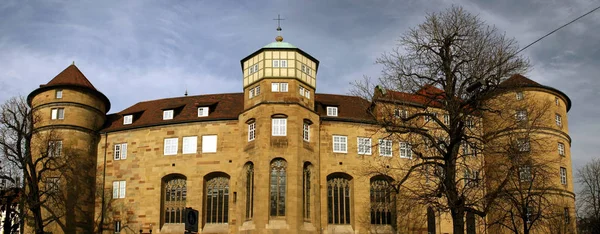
275, 158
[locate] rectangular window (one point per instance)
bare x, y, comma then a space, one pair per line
279, 127
283, 63
563, 175
251, 131
561, 149
557, 101
275, 63
190, 145
447, 120
364, 146
523, 144
209, 144
54, 148
202, 111
525, 174
251, 93
385, 147
283, 87
519, 95
119, 188
52, 184
170, 147
332, 111
405, 150
465, 148
470, 123
306, 132
120, 152
558, 120
257, 91
307, 93
167, 114
521, 115
274, 87
128, 119
340, 144
58, 113
567, 215
255, 67
59, 93
301, 90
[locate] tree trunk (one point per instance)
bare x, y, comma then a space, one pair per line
458, 221
9, 216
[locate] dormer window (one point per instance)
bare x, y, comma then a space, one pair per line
59, 93
202, 111
128, 119
332, 111
167, 114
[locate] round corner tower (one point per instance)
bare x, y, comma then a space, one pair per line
534, 124
68, 113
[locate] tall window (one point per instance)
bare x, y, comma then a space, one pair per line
306, 132
385, 148
563, 175
249, 168
59, 93
174, 198
446, 119
54, 148
525, 174
430, 220
251, 131
338, 199
561, 149
277, 187
558, 120
306, 174
120, 151
217, 199
279, 127
382, 202
119, 189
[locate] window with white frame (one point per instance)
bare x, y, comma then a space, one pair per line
340, 144
119, 188
275, 63
127, 119
405, 150
301, 90
253, 92
279, 87
52, 185
278, 127
519, 95
58, 113
525, 174
209, 144
561, 149
521, 115
306, 132
170, 147
400, 113
120, 152
190, 145
59, 93
523, 144
364, 146
167, 114
558, 119
251, 131
304, 92
446, 119
385, 147
280, 63
307, 93
55, 148
563, 175
332, 111
202, 111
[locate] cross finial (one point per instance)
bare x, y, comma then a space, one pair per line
279, 19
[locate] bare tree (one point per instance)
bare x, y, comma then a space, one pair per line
50, 172
589, 197
438, 62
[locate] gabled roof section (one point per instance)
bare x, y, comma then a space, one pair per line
70, 76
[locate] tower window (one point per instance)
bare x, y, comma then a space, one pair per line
277, 186
279, 127
556, 101
306, 132
279, 87
521, 115
54, 148
563, 175
306, 194
58, 113
523, 145
167, 114
558, 119
519, 95
128, 119
275, 63
340, 144
280, 63
253, 69
251, 131
561, 149
120, 152
305, 69
332, 111
52, 184
170, 147
249, 168
59, 93
202, 111
525, 174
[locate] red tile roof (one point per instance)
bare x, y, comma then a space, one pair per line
519, 80
350, 108
70, 76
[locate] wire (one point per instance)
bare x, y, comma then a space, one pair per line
553, 31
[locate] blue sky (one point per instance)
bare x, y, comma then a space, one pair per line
134, 51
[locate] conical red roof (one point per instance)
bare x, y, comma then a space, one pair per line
518, 80
71, 76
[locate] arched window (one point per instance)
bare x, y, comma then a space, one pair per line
277, 187
338, 199
174, 198
249, 168
306, 182
383, 203
430, 220
217, 199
